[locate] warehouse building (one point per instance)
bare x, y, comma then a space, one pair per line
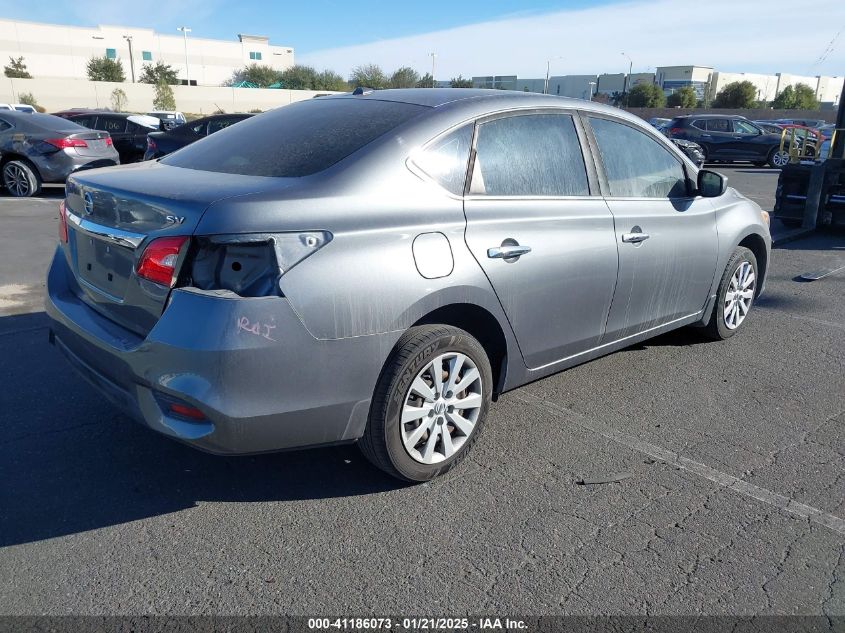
55, 51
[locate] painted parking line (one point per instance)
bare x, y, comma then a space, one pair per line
725, 480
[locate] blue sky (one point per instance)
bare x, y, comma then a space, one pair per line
475, 37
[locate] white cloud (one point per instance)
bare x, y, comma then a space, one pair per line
764, 36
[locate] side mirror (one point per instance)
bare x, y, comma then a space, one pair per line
711, 184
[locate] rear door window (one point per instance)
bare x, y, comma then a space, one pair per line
718, 125
637, 165
446, 159
110, 124
743, 127
529, 155
220, 124
296, 140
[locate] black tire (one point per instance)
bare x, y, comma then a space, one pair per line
21, 179
718, 329
778, 159
382, 441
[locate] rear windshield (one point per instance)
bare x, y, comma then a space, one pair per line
296, 140
50, 123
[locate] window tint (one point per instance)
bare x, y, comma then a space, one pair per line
4, 125
85, 121
446, 160
147, 56
219, 124
701, 124
718, 125
530, 155
743, 127
636, 165
111, 53
113, 125
199, 128
296, 140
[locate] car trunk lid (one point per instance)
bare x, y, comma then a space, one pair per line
97, 144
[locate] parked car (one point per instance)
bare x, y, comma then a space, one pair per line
169, 118
769, 127
346, 269
128, 131
692, 150
658, 122
729, 138
38, 148
162, 143
19, 107
814, 123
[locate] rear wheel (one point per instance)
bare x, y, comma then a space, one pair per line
430, 403
21, 179
778, 158
735, 296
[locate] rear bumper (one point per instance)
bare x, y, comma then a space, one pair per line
264, 388
56, 167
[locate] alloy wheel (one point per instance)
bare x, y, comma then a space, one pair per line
16, 180
780, 158
739, 295
441, 408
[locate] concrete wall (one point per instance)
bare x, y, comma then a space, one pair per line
56, 51
62, 94
830, 89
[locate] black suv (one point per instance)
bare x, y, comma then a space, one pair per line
128, 131
729, 138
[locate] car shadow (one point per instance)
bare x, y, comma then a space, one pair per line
71, 462
682, 337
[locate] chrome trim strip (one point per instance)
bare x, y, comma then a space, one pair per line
118, 236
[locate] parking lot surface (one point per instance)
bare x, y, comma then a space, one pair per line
729, 461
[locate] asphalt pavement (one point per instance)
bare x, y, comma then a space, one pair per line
727, 461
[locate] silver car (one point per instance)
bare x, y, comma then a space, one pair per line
38, 148
378, 267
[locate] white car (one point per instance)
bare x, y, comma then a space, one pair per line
170, 118
20, 107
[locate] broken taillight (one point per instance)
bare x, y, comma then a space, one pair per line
158, 261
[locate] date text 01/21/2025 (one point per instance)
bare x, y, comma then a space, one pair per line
416, 624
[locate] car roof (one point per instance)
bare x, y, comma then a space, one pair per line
711, 116
436, 97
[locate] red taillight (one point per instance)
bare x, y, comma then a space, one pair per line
186, 411
64, 143
151, 144
675, 130
62, 222
108, 141
158, 261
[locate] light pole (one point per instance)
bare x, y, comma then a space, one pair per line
433, 57
627, 78
128, 38
592, 83
185, 30
548, 67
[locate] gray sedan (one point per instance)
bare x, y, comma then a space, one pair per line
38, 148
378, 267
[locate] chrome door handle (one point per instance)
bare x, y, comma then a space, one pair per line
635, 238
507, 251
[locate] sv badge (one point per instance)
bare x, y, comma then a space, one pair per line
175, 219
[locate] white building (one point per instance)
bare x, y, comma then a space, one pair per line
766, 85
55, 51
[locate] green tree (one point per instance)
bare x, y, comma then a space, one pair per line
164, 99
118, 99
646, 96
404, 77
330, 80
158, 73
368, 76
739, 94
682, 98
300, 78
16, 69
798, 97
427, 81
460, 82
105, 69
29, 99
258, 74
